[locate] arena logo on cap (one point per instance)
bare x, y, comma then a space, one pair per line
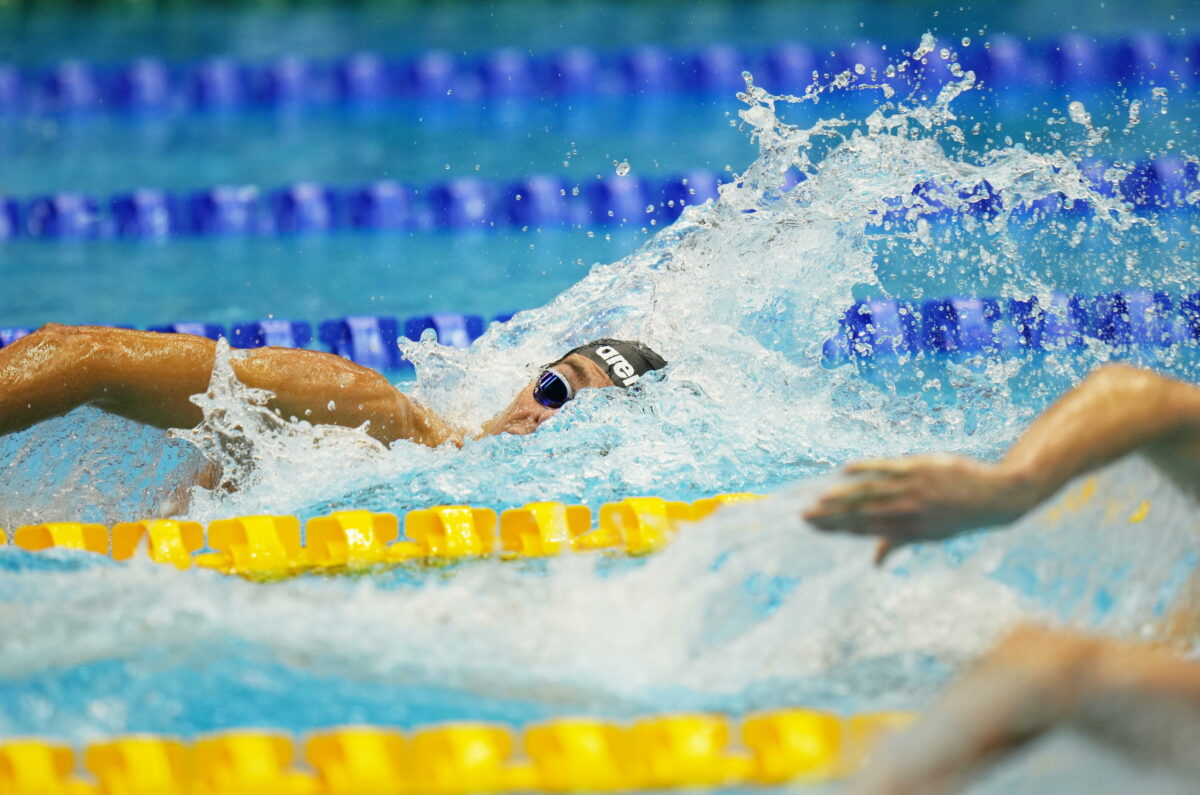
619, 364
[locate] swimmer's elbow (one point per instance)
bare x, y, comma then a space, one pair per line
1121, 379
1174, 403
1164, 412
1182, 406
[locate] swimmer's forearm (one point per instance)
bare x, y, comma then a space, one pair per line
1116, 411
149, 378
1143, 701
1140, 700
327, 390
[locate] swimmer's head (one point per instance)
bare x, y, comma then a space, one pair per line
596, 365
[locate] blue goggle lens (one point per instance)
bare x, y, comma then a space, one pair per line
552, 390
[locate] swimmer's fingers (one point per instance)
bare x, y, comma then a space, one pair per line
893, 517
883, 549
858, 492
847, 518
851, 498
887, 467
889, 544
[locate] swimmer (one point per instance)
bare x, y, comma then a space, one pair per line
1115, 411
1140, 701
148, 377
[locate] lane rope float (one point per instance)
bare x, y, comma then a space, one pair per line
147, 85
563, 755
273, 546
533, 201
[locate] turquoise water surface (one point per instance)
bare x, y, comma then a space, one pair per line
750, 610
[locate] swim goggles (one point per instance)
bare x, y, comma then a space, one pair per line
552, 389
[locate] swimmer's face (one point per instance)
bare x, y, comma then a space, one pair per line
525, 414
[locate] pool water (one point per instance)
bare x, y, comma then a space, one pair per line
749, 610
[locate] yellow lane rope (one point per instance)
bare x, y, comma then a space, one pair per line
562, 755
271, 545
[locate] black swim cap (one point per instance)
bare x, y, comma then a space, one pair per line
624, 362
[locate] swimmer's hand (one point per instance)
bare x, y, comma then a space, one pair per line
923, 498
207, 476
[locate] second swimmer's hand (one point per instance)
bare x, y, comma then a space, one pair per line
1032, 682
922, 498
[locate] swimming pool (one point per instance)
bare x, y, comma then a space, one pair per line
750, 611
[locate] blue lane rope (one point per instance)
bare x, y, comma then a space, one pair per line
307, 207
369, 340
966, 327
959, 326
365, 78
472, 203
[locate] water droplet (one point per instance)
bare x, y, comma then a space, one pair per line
966, 41
928, 42
622, 167
1135, 112
1079, 113
859, 69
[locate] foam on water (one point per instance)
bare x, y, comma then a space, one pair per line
752, 608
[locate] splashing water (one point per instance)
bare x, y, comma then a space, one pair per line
239, 432
1080, 116
738, 295
927, 45
752, 608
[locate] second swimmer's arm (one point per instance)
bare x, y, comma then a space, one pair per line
1141, 701
1116, 411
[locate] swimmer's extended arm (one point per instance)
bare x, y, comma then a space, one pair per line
1115, 411
148, 377
1141, 701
